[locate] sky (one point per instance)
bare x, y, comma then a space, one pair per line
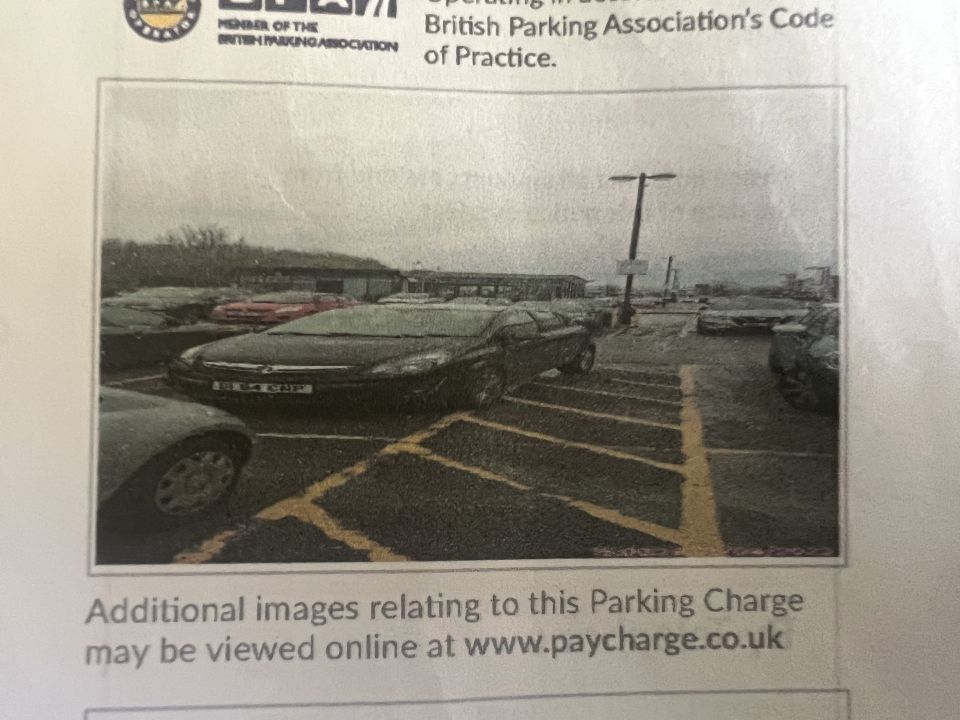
483, 182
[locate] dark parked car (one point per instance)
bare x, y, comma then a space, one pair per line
808, 357
184, 304
745, 314
464, 354
163, 462
789, 337
139, 338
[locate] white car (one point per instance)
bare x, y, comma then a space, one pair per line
162, 462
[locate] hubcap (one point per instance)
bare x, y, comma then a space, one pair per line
194, 482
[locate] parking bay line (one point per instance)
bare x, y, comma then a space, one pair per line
638, 371
312, 436
591, 413
605, 393
597, 449
605, 514
134, 381
302, 506
770, 453
621, 381
698, 524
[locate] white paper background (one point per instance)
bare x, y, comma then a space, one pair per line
896, 647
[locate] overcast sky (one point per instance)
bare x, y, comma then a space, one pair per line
483, 182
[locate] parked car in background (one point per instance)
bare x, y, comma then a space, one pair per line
583, 311
479, 300
139, 338
163, 462
279, 307
410, 299
810, 362
744, 314
184, 304
461, 354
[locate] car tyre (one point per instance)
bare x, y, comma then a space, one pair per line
483, 388
180, 484
582, 363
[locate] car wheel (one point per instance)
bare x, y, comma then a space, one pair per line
483, 388
178, 485
582, 363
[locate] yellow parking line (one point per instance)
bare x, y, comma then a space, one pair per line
302, 507
590, 413
635, 371
207, 550
621, 381
135, 380
773, 453
312, 436
699, 510
605, 393
597, 449
601, 513
307, 512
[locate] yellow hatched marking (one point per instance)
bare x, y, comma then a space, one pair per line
698, 523
302, 507
601, 513
633, 371
591, 413
606, 393
599, 450
307, 512
773, 453
621, 381
207, 550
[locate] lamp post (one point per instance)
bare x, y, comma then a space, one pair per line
626, 311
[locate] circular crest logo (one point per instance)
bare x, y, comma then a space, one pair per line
161, 20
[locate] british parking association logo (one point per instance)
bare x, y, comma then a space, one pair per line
162, 20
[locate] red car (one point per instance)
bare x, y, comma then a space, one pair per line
279, 307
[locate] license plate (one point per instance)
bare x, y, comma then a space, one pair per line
264, 388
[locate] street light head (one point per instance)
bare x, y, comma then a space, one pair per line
661, 176
624, 178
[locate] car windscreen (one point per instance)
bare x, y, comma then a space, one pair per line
177, 293
391, 321
283, 297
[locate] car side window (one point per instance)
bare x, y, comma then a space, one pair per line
547, 320
517, 325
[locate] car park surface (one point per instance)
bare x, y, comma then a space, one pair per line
676, 444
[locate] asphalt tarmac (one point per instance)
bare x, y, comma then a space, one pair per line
676, 445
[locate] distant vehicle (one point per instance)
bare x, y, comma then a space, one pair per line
410, 299
790, 336
138, 338
279, 307
746, 314
583, 311
163, 462
477, 300
461, 354
810, 378
185, 304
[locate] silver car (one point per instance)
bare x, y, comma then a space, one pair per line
162, 462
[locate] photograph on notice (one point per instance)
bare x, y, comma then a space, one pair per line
467, 327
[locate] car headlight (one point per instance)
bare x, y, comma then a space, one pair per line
413, 364
189, 356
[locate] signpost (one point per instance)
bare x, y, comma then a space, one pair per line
633, 267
